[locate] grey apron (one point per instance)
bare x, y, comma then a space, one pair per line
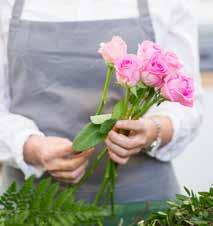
56, 79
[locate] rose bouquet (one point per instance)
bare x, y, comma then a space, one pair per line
147, 78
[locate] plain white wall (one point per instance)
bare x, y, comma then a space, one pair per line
194, 167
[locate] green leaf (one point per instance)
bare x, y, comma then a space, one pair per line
62, 198
182, 197
88, 137
107, 126
162, 213
141, 85
118, 110
187, 191
39, 192
133, 90
51, 192
99, 119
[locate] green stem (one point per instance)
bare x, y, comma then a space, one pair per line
149, 101
135, 105
126, 102
131, 110
144, 109
92, 168
112, 187
104, 184
110, 70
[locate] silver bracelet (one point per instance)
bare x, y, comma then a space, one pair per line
158, 141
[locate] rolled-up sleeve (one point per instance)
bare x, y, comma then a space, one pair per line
176, 30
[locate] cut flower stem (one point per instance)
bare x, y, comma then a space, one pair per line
110, 70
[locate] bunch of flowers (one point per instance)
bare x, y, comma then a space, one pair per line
148, 78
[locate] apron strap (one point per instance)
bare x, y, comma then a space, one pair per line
17, 11
146, 19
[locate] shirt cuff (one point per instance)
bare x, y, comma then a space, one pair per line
19, 142
165, 153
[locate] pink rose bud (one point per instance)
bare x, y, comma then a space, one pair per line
179, 89
128, 70
113, 50
154, 70
147, 48
173, 61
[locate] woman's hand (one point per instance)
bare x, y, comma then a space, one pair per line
142, 133
55, 155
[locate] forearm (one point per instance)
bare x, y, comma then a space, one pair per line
185, 125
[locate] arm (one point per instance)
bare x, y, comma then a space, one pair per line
14, 129
175, 30
22, 145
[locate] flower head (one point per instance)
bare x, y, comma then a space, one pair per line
113, 50
146, 49
154, 70
173, 61
128, 70
179, 88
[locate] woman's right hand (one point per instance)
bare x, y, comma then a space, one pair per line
55, 155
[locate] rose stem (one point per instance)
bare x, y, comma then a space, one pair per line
113, 165
92, 168
104, 184
110, 70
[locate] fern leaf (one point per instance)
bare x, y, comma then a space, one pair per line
50, 193
43, 205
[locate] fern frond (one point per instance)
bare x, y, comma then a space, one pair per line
45, 205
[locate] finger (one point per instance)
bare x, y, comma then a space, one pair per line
134, 151
62, 164
70, 175
117, 159
66, 181
116, 149
69, 181
80, 177
61, 150
85, 154
136, 125
124, 141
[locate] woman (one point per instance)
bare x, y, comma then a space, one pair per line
51, 78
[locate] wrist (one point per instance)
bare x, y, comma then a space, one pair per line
163, 128
32, 149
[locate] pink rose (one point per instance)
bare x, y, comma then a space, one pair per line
154, 70
128, 70
173, 61
180, 89
113, 50
147, 48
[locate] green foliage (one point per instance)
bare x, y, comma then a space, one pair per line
118, 110
88, 137
92, 135
190, 210
45, 205
107, 126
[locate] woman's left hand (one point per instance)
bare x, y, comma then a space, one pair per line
142, 133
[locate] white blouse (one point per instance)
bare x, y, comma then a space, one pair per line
175, 30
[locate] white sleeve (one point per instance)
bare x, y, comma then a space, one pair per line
14, 129
176, 30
